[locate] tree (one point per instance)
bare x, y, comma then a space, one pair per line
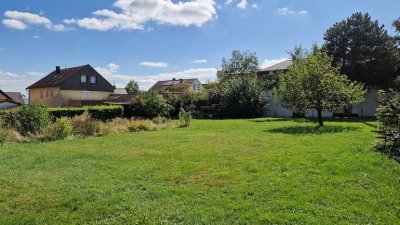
312, 83
363, 50
297, 53
150, 105
132, 87
240, 63
396, 25
241, 97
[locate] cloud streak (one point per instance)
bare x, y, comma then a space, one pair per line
134, 14
21, 21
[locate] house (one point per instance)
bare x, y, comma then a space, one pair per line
177, 86
75, 86
364, 109
8, 102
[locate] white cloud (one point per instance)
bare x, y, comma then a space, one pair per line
154, 64
199, 61
145, 82
18, 82
242, 4
254, 6
36, 37
286, 11
228, 2
113, 67
14, 24
267, 63
134, 14
20, 20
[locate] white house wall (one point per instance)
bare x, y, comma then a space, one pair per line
365, 109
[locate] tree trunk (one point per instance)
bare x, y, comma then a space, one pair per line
321, 123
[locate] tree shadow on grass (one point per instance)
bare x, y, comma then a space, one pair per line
304, 130
263, 120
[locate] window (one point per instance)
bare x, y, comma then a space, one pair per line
194, 86
93, 79
83, 79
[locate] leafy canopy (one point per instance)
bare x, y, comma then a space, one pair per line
240, 63
312, 83
132, 87
363, 50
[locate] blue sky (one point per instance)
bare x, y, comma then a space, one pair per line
148, 40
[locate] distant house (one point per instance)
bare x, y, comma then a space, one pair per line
8, 102
364, 109
177, 86
74, 86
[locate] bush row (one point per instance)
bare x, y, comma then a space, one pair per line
103, 112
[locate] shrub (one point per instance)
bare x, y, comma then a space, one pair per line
150, 105
102, 112
388, 113
9, 119
61, 129
160, 120
185, 118
32, 119
105, 129
193, 102
85, 126
240, 97
141, 125
11, 136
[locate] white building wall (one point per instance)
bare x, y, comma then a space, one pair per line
365, 109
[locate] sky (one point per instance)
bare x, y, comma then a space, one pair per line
151, 40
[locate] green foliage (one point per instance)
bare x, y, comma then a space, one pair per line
29, 120
185, 118
61, 129
101, 112
85, 125
363, 50
132, 87
388, 114
193, 102
312, 83
240, 63
150, 105
240, 97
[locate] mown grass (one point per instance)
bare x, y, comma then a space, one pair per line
213, 172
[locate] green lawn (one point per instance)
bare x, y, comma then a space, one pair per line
214, 172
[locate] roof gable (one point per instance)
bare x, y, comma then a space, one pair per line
69, 79
166, 83
53, 79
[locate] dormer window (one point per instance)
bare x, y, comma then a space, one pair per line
83, 79
93, 79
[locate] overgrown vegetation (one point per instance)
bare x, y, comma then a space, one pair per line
149, 105
388, 114
101, 112
33, 123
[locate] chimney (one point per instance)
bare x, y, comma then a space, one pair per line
173, 79
58, 69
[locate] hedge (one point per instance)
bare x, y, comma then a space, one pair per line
101, 112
